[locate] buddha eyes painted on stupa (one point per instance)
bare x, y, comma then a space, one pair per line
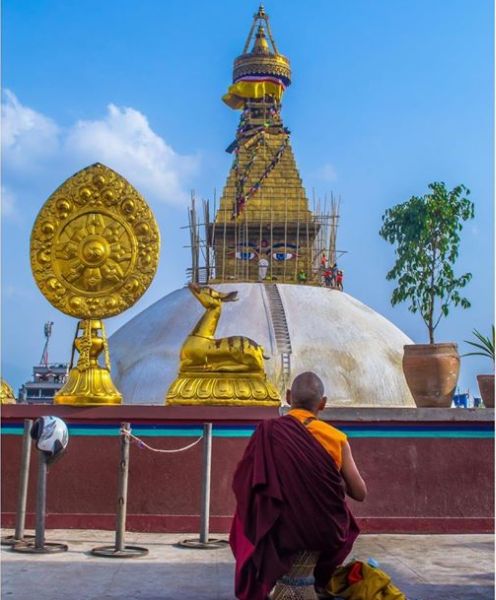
279, 251
244, 253
284, 251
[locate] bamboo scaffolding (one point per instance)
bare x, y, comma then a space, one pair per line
260, 235
206, 213
224, 248
247, 247
212, 236
285, 236
297, 242
236, 226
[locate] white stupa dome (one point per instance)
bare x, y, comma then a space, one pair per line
355, 350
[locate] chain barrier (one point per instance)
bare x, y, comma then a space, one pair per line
141, 444
120, 549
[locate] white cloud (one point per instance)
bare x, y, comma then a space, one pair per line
327, 173
28, 137
122, 139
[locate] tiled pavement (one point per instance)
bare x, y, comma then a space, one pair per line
424, 567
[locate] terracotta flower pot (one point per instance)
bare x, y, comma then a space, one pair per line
431, 372
486, 387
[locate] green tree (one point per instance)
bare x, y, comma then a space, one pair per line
425, 231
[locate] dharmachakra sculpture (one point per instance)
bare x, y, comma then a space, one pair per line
220, 371
94, 252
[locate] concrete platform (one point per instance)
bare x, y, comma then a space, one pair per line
424, 567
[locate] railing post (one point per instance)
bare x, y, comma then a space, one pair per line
41, 502
206, 475
204, 541
23, 480
122, 494
40, 546
120, 550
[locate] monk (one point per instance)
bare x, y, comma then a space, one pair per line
290, 488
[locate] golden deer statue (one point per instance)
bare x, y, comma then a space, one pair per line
222, 371
202, 352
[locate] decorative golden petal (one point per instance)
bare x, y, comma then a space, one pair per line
87, 237
223, 388
204, 389
188, 389
258, 389
243, 389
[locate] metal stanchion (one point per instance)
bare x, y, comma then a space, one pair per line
205, 490
120, 550
19, 536
204, 543
40, 546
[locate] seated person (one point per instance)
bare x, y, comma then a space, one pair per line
290, 488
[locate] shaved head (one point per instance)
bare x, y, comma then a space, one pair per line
307, 391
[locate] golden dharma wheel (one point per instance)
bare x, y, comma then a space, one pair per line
94, 245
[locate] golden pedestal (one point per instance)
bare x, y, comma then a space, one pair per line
89, 383
7, 395
223, 389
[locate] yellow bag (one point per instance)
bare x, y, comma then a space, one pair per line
374, 585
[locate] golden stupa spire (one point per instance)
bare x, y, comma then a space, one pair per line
263, 224
261, 71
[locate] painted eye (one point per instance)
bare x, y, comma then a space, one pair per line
281, 256
245, 255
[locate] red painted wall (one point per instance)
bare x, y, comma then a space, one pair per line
415, 484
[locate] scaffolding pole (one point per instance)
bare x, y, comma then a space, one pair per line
210, 247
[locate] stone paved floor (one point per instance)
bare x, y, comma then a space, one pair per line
425, 567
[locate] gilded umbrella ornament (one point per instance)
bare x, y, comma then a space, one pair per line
94, 252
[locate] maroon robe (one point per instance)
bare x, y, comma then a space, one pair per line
290, 497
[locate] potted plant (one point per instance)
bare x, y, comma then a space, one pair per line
484, 347
425, 231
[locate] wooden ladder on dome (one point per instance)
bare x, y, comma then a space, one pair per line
281, 331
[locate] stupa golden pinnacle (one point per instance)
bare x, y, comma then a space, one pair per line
94, 252
263, 228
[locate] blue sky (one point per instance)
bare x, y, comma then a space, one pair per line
387, 96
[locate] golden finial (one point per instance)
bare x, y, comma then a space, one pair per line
260, 45
261, 13
264, 58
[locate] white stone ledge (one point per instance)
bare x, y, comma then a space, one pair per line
368, 414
